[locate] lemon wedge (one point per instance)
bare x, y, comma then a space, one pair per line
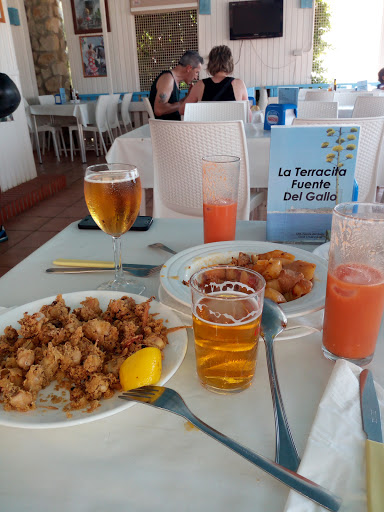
142, 368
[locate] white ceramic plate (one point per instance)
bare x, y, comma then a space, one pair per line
323, 251
180, 267
42, 417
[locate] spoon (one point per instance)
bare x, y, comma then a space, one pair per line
159, 245
273, 321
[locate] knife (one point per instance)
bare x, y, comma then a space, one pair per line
99, 264
374, 447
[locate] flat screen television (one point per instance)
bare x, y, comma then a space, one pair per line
256, 19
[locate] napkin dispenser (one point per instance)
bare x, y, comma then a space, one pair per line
279, 114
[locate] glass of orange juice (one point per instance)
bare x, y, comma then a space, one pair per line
354, 301
221, 175
227, 303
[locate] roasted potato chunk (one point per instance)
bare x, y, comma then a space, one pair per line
272, 270
306, 268
288, 279
274, 284
302, 288
276, 254
274, 295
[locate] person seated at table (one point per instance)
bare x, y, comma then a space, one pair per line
381, 79
221, 87
165, 93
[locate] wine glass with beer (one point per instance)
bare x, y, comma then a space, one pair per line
113, 196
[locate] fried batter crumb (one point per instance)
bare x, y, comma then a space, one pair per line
81, 350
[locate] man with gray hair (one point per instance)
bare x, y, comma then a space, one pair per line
165, 93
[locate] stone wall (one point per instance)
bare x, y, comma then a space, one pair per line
45, 23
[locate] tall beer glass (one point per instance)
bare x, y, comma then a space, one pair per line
227, 303
113, 196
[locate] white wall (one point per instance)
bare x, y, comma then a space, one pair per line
16, 164
261, 62
258, 62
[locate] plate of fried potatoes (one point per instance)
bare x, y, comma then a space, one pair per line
296, 279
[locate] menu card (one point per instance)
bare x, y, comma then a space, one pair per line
311, 169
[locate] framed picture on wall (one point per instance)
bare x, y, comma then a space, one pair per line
93, 56
2, 17
87, 16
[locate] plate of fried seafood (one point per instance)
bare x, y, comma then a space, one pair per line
296, 279
60, 356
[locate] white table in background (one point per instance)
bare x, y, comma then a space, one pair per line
83, 112
136, 147
144, 459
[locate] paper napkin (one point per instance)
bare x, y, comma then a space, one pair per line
335, 453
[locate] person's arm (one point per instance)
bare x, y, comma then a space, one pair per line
164, 91
194, 95
241, 94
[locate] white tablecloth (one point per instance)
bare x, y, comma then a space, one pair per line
144, 459
136, 147
83, 111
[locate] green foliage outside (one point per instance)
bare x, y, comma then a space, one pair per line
161, 40
322, 26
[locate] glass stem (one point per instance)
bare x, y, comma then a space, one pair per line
117, 255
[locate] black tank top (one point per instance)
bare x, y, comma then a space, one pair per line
174, 98
222, 91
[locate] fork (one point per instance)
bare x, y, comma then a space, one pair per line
159, 245
169, 400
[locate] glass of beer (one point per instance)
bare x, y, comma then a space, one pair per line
227, 303
113, 196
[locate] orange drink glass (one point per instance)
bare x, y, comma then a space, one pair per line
220, 190
227, 303
354, 302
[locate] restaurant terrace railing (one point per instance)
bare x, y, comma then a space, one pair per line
253, 94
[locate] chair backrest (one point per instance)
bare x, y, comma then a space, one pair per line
349, 98
369, 157
178, 149
125, 116
368, 106
148, 108
101, 112
320, 96
317, 109
47, 99
112, 111
204, 111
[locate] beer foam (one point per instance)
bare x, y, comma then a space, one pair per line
115, 177
224, 298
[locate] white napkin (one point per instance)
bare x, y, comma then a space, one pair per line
335, 453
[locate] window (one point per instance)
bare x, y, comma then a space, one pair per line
161, 40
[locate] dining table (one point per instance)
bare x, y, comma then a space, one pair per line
83, 113
143, 458
136, 146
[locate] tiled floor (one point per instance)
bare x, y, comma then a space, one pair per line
29, 230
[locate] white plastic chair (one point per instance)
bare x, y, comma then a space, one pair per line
125, 115
204, 111
47, 99
368, 106
148, 108
113, 115
320, 96
98, 129
369, 156
178, 149
46, 130
349, 98
317, 109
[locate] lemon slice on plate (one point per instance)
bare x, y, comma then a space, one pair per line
142, 368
